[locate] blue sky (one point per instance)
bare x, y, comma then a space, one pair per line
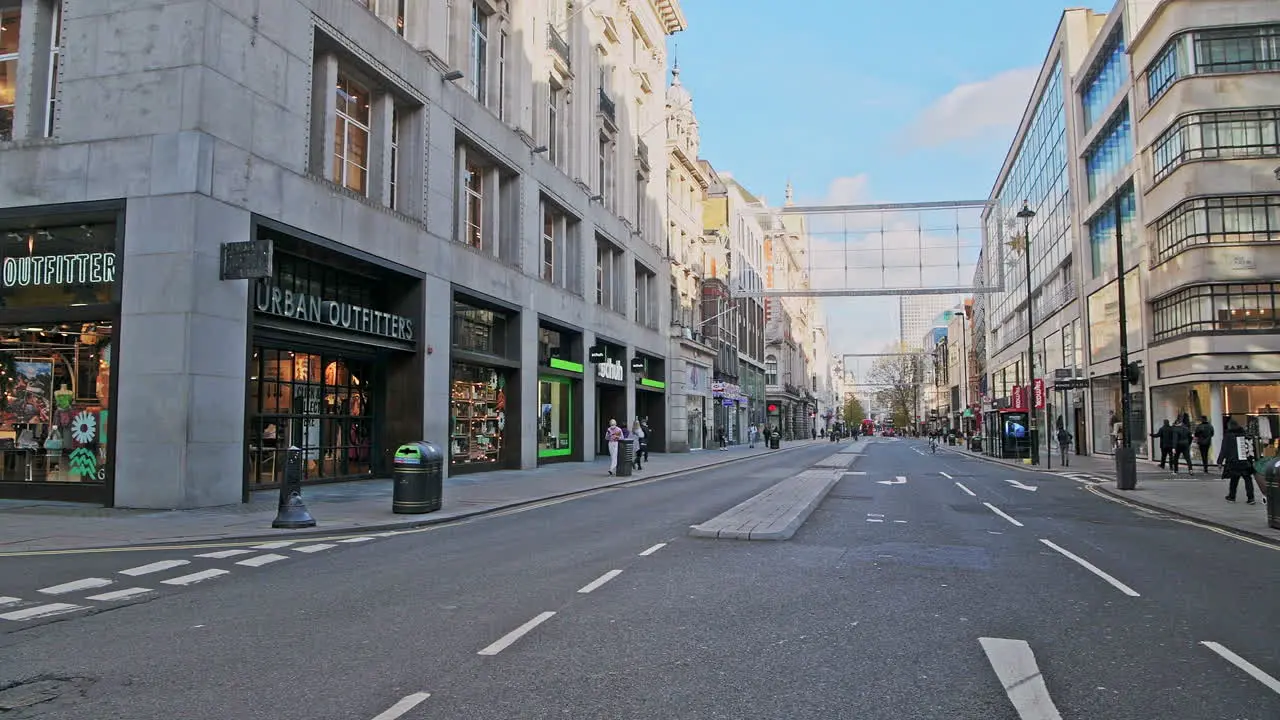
859, 101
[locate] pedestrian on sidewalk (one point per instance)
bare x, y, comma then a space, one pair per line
1236, 460
1064, 444
1203, 438
648, 436
1117, 430
638, 443
751, 435
613, 437
721, 440
1165, 435
1182, 444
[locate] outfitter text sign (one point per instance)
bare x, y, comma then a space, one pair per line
77, 269
272, 300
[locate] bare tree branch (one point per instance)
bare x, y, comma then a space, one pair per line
899, 378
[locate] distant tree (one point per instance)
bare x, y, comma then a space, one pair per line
897, 379
854, 413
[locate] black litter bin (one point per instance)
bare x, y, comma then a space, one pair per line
419, 478
626, 455
1271, 491
774, 440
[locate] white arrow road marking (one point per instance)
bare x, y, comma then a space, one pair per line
405, 704
1020, 486
1093, 569
899, 481
1016, 667
1244, 665
9, 601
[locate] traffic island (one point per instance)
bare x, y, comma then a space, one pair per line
776, 513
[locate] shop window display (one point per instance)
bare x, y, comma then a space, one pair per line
555, 417
478, 411
319, 403
56, 384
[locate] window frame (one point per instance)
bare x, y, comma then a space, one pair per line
345, 122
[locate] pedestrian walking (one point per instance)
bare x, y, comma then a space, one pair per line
648, 437
722, 440
1064, 445
612, 437
1236, 459
1117, 431
1204, 438
1165, 436
751, 435
637, 443
1182, 444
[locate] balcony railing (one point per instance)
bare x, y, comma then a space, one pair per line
608, 109
557, 44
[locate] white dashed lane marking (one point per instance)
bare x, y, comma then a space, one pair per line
314, 548
595, 584
196, 577
154, 567
119, 594
223, 554
41, 611
275, 545
76, 586
261, 560
653, 550
356, 540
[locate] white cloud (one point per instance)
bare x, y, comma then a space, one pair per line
974, 110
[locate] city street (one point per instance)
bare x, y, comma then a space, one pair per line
924, 586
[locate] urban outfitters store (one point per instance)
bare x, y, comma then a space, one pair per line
332, 333
59, 310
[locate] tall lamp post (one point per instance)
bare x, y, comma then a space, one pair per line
1025, 214
1126, 460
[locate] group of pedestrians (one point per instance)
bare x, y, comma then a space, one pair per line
638, 435
1235, 456
1176, 440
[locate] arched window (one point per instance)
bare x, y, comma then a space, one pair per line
771, 370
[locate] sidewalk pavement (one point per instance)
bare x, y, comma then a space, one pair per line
363, 506
1200, 496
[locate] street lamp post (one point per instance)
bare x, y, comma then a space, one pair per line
1025, 214
1126, 460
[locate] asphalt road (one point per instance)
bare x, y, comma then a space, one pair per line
896, 600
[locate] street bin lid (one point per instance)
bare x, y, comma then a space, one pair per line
409, 454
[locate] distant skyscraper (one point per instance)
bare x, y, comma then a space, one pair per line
916, 314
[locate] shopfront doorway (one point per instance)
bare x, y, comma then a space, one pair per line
611, 404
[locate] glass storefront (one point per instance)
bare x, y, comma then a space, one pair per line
1105, 409
56, 382
478, 415
320, 403
555, 417
58, 304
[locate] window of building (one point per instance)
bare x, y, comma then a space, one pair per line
10, 29
555, 99
609, 276
549, 241
645, 310
479, 52
1248, 48
1104, 319
771, 370
473, 203
392, 184
1110, 153
642, 184
1106, 77
1216, 308
502, 75
351, 136
1217, 220
1216, 136
608, 169
1102, 232
479, 330
400, 8
55, 58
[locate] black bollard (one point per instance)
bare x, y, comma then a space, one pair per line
292, 513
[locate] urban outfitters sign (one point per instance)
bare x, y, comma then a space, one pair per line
345, 316
51, 270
